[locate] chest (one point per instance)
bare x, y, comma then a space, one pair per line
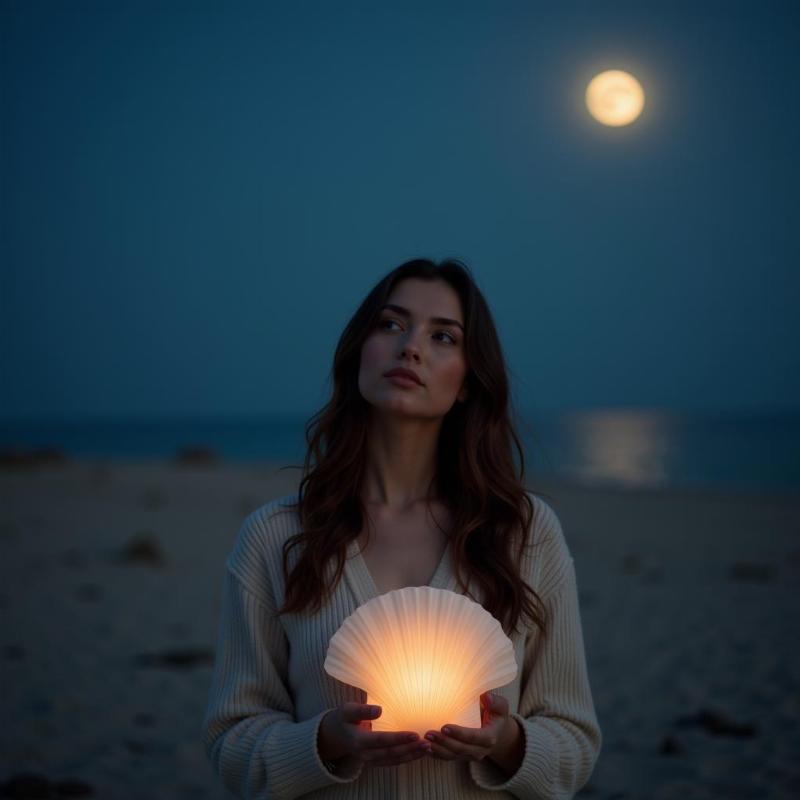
404, 550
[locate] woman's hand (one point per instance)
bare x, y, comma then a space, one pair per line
346, 731
499, 737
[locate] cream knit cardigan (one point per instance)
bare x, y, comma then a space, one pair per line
269, 691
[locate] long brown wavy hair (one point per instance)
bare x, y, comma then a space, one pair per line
475, 472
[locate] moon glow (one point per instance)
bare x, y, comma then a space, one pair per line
614, 97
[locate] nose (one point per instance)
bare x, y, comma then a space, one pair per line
410, 350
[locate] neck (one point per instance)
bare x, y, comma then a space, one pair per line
401, 462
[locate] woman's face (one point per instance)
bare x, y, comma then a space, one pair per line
415, 341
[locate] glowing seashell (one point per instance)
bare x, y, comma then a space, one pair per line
424, 655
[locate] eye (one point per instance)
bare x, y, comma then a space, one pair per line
384, 323
452, 338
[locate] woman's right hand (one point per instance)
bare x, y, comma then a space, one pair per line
346, 731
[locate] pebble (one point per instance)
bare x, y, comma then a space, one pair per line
74, 788
27, 785
717, 723
177, 659
13, 652
145, 720
752, 573
670, 746
144, 549
32, 786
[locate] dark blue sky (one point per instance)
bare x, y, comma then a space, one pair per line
196, 196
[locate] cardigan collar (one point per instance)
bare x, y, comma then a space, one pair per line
363, 586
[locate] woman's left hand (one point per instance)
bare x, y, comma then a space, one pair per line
457, 743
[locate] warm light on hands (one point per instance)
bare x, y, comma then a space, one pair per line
347, 731
474, 744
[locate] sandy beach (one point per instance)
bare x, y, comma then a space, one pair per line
111, 579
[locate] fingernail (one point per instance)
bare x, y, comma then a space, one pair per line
430, 737
446, 731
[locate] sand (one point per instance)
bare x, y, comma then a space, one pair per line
111, 579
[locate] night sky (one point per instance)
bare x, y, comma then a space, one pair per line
196, 196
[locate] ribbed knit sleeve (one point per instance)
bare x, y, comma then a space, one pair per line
250, 733
556, 709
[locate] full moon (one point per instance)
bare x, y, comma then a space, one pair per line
614, 97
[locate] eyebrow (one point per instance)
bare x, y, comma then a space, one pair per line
436, 320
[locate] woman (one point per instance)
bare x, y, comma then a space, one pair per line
412, 483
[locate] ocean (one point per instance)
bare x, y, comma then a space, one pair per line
615, 447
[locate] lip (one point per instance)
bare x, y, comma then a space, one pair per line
406, 375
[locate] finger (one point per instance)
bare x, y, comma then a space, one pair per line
443, 753
461, 749
355, 712
390, 761
462, 734
497, 704
385, 738
401, 752
486, 713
